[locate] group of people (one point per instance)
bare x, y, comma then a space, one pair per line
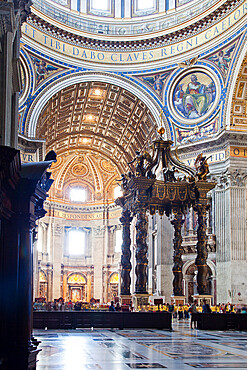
180, 311
61, 305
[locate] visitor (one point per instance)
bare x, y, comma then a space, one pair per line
193, 311
180, 312
70, 305
111, 307
118, 307
206, 308
186, 311
54, 305
171, 308
244, 309
77, 306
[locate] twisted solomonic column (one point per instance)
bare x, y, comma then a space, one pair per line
177, 223
202, 253
126, 253
141, 252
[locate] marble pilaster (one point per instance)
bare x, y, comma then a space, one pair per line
56, 242
98, 256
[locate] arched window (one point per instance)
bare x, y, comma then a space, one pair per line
144, 7
77, 194
76, 242
145, 4
118, 240
100, 5
117, 192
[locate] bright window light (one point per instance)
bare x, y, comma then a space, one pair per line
77, 195
145, 4
76, 242
117, 192
119, 240
100, 4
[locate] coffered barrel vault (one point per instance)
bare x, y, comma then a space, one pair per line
98, 117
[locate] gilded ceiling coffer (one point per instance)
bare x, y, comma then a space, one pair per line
180, 188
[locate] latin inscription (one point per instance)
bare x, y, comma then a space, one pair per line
135, 57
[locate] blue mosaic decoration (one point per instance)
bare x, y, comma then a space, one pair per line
184, 136
155, 81
42, 69
194, 95
223, 58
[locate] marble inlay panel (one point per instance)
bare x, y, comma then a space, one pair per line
147, 366
180, 349
238, 345
210, 365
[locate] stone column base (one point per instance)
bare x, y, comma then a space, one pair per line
200, 298
178, 299
126, 302
140, 300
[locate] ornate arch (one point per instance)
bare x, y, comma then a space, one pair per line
234, 81
210, 264
238, 119
41, 100
79, 278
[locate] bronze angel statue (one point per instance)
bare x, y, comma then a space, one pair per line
202, 168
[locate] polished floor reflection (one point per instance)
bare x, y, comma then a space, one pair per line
104, 349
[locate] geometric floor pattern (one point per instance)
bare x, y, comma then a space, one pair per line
114, 349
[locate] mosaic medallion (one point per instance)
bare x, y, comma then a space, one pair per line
194, 95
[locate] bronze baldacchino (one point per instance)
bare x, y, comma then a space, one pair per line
172, 195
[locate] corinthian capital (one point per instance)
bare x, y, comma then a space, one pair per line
228, 178
99, 231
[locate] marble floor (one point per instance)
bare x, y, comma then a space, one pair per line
115, 349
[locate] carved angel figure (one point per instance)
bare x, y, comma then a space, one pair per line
201, 166
188, 63
141, 162
124, 181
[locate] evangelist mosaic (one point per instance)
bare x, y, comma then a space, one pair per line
194, 95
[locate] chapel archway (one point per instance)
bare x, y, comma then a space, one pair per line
113, 287
77, 285
238, 120
190, 284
